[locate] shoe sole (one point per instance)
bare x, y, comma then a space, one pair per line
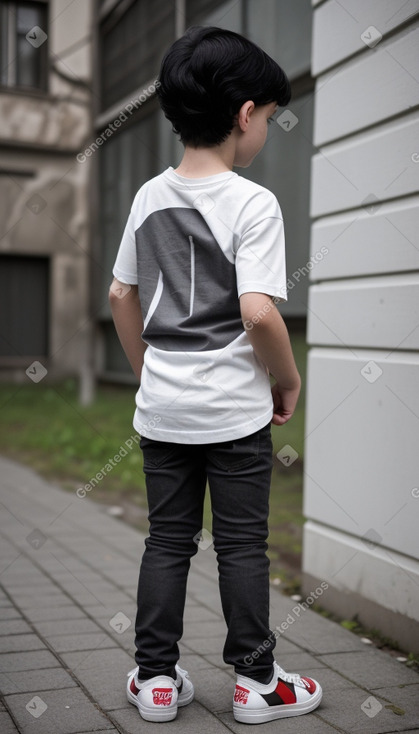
149, 713
185, 698
283, 711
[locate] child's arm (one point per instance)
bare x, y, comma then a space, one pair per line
269, 338
128, 320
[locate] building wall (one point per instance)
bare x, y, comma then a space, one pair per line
361, 496
43, 190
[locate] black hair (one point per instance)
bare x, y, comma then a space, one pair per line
207, 75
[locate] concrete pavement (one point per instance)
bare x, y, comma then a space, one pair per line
68, 577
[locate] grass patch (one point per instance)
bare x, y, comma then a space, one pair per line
45, 427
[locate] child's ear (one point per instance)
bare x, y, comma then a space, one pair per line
244, 113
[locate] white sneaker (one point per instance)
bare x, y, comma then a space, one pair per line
288, 694
158, 698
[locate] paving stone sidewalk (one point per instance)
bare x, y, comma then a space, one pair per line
68, 576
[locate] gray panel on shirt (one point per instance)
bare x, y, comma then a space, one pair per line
187, 287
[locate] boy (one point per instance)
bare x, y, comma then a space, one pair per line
200, 262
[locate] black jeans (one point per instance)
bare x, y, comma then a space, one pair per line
239, 477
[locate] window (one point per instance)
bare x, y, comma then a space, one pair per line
24, 54
131, 43
24, 293
198, 10
283, 30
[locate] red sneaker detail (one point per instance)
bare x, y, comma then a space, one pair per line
241, 695
162, 696
285, 693
133, 688
311, 686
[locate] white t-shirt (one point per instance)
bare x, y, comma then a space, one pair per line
193, 246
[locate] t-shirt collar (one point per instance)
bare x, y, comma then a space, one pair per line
186, 182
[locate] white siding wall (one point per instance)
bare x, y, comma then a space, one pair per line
362, 428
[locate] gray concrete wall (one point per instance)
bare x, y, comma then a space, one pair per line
44, 189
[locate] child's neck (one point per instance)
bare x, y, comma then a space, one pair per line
202, 162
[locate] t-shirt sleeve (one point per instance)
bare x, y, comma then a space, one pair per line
260, 256
125, 267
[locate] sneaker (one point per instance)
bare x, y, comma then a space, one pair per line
158, 698
288, 694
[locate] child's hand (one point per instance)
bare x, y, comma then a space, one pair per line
284, 400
